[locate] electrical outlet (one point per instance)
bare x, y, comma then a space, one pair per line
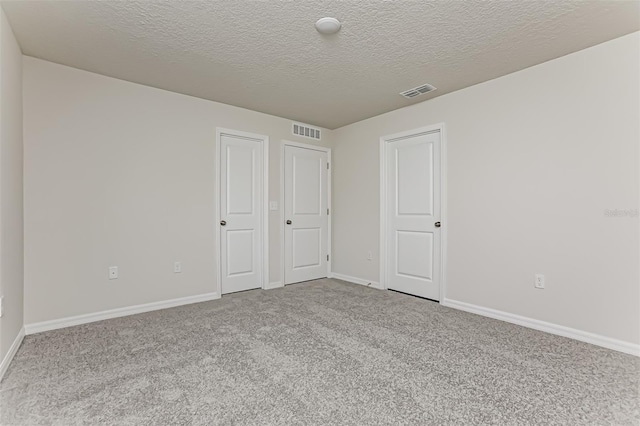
177, 267
113, 272
539, 283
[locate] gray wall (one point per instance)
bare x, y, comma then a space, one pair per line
11, 218
535, 159
117, 173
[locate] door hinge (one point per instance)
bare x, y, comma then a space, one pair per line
327, 258
327, 166
327, 212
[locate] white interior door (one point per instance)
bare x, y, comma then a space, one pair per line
413, 214
306, 214
241, 210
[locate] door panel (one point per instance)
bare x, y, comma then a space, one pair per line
413, 208
241, 212
240, 179
415, 182
409, 265
307, 185
240, 247
307, 247
305, 205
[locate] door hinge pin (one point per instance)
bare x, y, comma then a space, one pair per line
327, 166
327, 257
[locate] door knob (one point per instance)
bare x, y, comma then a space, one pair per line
288, 222
437, 224
223, 222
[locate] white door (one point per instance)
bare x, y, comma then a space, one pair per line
306, 215
413, 214
241, 210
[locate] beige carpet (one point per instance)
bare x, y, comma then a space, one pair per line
323, 352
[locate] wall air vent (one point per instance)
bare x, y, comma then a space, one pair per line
417, 91
305, 131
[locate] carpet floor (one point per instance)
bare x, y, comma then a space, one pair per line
323, 352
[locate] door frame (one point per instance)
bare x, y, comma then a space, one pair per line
443, 201
220, 131
284, 143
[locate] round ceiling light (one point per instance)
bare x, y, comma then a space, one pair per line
328, 25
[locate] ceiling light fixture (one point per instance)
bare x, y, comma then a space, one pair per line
328, 25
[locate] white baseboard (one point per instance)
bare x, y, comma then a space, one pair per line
355, 280
273, 284
12, 352
39, 327
560, 330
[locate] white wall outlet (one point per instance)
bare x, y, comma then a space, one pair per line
369, 255
539, 283
113, 272
1, 306
273, 205
177, 267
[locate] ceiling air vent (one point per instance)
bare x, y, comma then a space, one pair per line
306, 131
417, 91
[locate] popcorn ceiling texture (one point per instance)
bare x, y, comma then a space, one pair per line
267, 56
322, 352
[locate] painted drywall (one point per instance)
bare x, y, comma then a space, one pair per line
537, 161
122, 174
11, 220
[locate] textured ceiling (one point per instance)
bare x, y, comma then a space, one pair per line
267, 56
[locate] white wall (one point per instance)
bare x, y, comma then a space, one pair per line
11, 242
122, 174
534, 160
